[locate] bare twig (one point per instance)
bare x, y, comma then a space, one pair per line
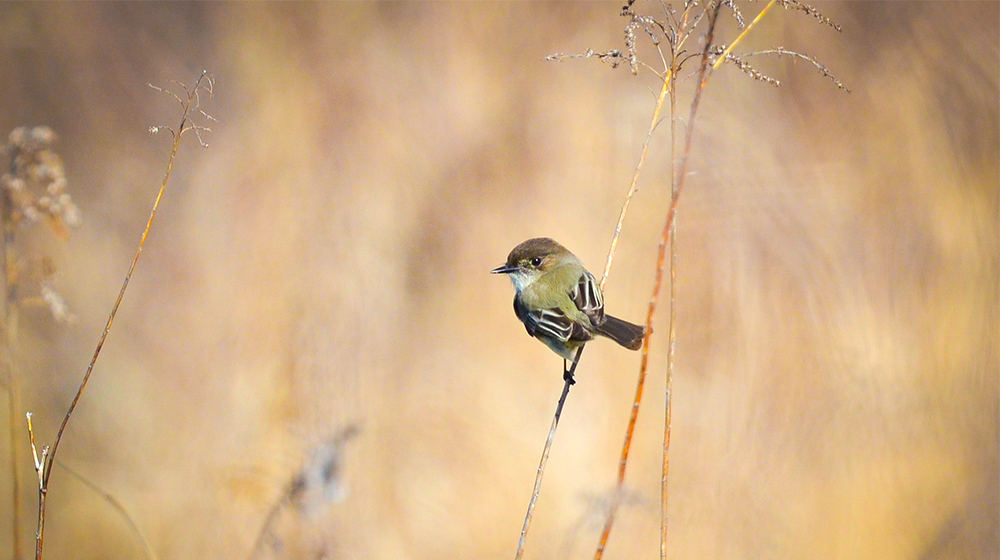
40, 466
781, 51
545, 455
186, 124
44, 467
674, 183
39, 460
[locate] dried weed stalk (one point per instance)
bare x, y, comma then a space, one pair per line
537, 488
668, 31
191, 106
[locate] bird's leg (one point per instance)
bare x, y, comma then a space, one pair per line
568, 372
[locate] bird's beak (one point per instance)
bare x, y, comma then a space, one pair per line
503, 269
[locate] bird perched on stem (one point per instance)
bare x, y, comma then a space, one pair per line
559, 302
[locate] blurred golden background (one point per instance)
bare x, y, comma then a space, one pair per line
324, 264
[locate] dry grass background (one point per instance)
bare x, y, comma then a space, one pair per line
836, 393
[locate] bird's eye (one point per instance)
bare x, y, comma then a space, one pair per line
537, 261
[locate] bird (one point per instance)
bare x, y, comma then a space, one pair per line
560, 302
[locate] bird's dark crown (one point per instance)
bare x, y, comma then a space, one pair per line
538, 247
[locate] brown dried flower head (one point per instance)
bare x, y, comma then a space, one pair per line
35, 184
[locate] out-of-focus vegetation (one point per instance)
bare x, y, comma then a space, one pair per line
323, 267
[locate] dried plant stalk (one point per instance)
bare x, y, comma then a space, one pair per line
673, 31
679, 32
44, 462
537, 489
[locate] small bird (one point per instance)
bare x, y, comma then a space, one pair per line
559, 302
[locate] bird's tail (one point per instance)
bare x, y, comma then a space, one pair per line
622, 332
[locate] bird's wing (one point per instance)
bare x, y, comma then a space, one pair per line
588, 299
551, 323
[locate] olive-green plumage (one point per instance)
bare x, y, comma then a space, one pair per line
559, 302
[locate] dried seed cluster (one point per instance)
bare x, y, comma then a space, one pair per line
35, 184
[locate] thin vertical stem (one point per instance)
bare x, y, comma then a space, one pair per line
634, 186
118, 301
40, 465
185, 120
669, 230
545, 455
672, 328
14, 401
7, 334
670, 71
681, 32
640, 383
45, 469
713, 12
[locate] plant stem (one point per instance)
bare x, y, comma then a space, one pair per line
668, 83
634, 186
7, 334
545, 455
45, 468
